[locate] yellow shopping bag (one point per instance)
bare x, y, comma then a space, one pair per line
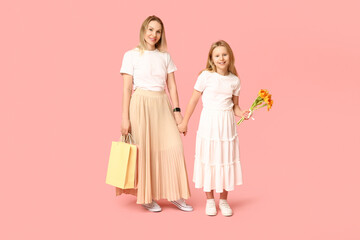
122, 164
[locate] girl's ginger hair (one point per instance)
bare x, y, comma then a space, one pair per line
161, 45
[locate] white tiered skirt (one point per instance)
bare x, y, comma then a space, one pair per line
217, 156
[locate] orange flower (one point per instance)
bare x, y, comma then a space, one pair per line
268, 101
270, 104
263, 93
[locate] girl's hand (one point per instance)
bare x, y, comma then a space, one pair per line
125, 126
182, 128
178, 117
246, 114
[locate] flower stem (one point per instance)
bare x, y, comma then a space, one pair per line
241, 120
260, 107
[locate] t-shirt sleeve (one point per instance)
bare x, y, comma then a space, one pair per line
170, 64
201, 82
236, 91
127, 65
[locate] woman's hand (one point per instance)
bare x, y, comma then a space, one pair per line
125, 126
182, 128
178, 117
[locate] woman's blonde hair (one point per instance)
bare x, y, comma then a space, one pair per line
161, 44
210, 66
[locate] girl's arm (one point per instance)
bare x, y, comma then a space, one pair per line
237, 110
189, 111
171, 86
127, 90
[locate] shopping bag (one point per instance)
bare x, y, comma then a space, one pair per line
122, 163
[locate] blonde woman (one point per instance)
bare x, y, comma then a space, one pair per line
152, 119
217, 163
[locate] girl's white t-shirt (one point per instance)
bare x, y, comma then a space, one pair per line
217, 90
149, 69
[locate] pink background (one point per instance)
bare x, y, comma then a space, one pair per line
61, 108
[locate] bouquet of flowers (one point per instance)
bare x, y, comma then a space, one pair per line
263, 98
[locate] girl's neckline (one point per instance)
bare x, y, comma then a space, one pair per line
155, 50
138, 49
229, 73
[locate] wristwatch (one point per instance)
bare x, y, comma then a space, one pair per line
177, 110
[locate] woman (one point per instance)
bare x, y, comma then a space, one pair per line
148, 115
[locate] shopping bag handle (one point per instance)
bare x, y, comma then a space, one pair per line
128, 138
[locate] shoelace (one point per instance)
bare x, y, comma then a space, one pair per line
150, 205
181, 202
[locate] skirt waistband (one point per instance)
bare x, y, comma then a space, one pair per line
148, 93
217, 109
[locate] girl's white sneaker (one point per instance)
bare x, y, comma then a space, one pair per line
152, 207
210, 207
225, 208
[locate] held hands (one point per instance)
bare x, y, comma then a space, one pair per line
179, 122
182, 128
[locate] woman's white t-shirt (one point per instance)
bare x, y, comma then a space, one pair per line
217, 90
149, 69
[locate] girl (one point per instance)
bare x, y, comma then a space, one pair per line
217, 166
153, 123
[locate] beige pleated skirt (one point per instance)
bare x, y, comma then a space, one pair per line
161, 164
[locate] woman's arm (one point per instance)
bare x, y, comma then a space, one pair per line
171, 86
189, 111
127, 90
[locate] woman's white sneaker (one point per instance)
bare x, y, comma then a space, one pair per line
210, 207
152, 207
181, 204
225, 208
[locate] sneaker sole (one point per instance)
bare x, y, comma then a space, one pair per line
226, 215
211, 214
152, 210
